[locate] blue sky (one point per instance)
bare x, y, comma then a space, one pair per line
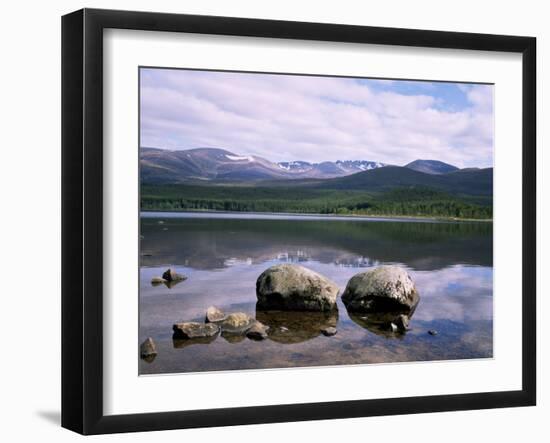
286, 117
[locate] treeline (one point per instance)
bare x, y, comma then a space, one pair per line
398, 202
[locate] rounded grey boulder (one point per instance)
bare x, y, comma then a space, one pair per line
290, 287
384, 289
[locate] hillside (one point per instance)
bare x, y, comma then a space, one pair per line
431, 167
219, 180
468, 182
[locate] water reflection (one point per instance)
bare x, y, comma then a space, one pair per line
379, 323
289, 327
217, 244
451, 265
183, 343
168, 284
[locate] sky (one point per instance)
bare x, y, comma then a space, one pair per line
314, 118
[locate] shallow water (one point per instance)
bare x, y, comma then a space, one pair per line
451, 264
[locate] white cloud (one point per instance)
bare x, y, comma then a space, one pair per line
312, 118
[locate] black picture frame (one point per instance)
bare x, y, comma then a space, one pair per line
82, 218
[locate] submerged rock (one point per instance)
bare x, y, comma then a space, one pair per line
384, 289
386, 324
148, 350
402, 323
258, 331
214, 315
290, 327
432, 332
192, 330
237, 323
329, 332
392, 327
295, 288
172, 276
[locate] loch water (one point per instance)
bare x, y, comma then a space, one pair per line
223, 254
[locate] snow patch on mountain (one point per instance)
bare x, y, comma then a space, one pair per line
248, 158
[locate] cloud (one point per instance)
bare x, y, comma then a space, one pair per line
283, 117
457, 293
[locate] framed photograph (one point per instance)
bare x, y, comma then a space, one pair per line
268, 221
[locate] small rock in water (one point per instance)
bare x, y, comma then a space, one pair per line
187, 330
258, 331
238, 322
432, 332
329, 332
402, 323
157, 281
172, 276
214, 314
148, 350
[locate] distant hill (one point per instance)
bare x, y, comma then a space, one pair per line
162, 166
469, 182
218, 166
431, 167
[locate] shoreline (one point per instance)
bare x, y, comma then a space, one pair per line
315, 216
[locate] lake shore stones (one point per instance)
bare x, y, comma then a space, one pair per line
171, 275
295, 288
383, 289
214, 314
193, 330
148, 350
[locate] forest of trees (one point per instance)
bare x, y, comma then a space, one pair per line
420, 202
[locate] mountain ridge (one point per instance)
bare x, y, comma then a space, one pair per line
164, 166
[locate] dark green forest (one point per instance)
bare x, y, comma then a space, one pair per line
413, 201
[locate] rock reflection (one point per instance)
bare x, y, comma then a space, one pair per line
149, 358
185, 342
233, 337
380, 323
290, 327
168, 284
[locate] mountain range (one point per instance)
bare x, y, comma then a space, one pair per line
162, 166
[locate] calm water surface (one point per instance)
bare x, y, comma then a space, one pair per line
223, 254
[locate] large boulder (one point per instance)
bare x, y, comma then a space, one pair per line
384, 289
290, 287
